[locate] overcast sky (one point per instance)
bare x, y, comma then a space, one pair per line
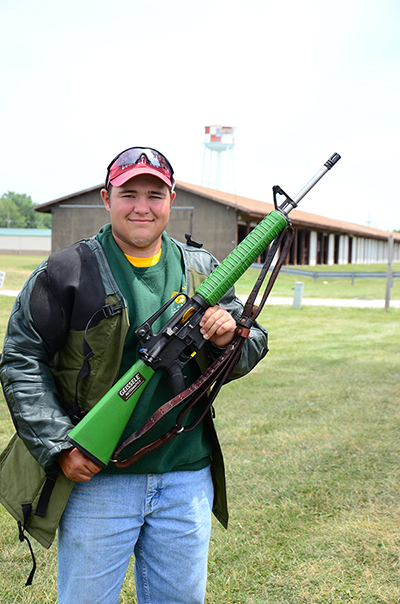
84, 79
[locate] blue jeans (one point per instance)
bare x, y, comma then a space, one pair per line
163, 519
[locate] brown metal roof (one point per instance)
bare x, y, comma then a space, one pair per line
46, 207
257, 209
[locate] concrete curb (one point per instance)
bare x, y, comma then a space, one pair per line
9, 292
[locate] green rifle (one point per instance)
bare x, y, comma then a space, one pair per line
99, 432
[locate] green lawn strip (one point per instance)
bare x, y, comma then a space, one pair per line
366, 289
18, 268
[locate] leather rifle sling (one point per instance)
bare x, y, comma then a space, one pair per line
217, 373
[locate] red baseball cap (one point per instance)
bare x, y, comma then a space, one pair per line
139, 160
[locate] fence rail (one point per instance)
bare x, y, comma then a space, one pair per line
334, 275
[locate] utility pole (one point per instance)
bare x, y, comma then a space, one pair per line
389, 278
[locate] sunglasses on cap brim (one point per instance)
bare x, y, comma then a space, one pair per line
132, 156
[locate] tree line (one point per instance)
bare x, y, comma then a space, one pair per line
16, 212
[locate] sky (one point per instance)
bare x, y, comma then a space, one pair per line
84, 79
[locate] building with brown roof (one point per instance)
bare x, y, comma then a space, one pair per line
221, 220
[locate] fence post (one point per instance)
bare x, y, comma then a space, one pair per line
298, 294
389, 278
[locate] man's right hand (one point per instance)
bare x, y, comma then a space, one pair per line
77, 467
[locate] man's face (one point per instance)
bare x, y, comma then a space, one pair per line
139, 212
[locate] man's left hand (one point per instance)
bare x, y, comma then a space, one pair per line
218, 326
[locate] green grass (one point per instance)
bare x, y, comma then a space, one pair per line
18, 268
312, 452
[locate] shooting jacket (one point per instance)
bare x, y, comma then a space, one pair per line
71, 308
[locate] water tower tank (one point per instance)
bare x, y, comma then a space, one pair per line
218, 139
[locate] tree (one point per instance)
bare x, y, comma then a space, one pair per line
16, 211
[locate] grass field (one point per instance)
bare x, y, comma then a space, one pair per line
18, 268
366, 289
312, 451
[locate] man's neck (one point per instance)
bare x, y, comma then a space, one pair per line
137, 251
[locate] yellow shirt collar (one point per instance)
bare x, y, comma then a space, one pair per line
144, 262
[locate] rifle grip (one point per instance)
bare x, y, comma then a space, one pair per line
177, 378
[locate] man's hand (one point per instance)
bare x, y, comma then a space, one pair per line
218, 326
76, 466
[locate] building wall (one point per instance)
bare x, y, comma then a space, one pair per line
331, 248
208, 222
25, 241
216, 226
72, 220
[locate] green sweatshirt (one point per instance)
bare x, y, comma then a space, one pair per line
145, 291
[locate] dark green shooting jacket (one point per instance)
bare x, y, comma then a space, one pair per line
71, 292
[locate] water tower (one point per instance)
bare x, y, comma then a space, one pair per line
218, 140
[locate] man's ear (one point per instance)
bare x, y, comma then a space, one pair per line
173, 195
106, 199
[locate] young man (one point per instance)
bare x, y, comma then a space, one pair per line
65, 348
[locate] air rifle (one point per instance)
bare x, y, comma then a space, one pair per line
99, 432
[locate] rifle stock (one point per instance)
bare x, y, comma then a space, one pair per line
99, 432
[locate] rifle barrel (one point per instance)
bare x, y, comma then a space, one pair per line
327, 166
215, 286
